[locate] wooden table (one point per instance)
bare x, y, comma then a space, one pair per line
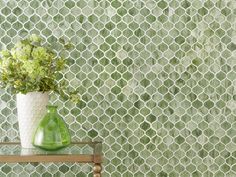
80, 152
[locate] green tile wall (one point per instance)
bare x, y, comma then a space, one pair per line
156, 80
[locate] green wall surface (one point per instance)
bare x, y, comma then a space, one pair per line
156, 80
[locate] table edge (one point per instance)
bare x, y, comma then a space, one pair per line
48, 158
74, 142
81, 158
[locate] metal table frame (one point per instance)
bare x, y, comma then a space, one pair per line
95, 158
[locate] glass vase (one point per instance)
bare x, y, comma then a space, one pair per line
52, 132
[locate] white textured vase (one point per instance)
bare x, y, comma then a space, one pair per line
31, 107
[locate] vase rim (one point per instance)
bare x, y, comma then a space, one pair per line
34, 92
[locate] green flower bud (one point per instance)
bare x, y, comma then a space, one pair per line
39, 53
35, 38
5, 53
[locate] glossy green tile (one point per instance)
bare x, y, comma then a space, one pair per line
156, 81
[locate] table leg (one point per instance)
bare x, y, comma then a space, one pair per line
97, 170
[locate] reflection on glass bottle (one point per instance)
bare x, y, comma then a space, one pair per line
52, 132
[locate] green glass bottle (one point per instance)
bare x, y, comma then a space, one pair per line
52, 132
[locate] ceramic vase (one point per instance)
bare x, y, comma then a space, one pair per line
31, 107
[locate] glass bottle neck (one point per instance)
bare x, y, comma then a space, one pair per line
51, 109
